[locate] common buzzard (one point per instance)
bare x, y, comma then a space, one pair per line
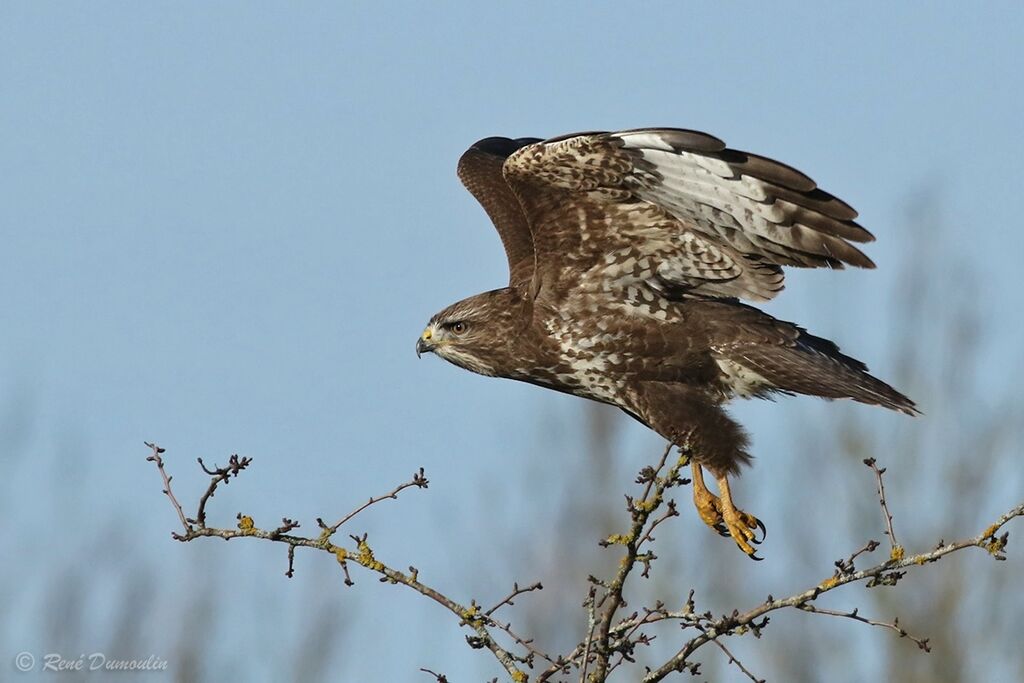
628, 256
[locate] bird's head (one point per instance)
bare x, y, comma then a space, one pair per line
475, 333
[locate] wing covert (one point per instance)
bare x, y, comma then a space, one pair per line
717, 221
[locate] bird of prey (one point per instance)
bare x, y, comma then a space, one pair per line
629, 256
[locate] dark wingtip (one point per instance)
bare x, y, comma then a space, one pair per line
908, 407
502, 147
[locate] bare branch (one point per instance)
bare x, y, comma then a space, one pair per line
737, 662
728, 625
156, 458
896, 552
439, 678
361, 554
853, 614
846, 566
516, 592
591, 626
610, 640
640, 511
418, 480
218, 475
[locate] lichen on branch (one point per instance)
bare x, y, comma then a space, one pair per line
610, 640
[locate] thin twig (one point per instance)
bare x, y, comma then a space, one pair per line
526, 644
987, 540
607, 634
734, 660
440, 678
218, 475
418, 480
670, 512
894, 626
897, 549
846, 566
156, 458
516, 592
362, 554
591, 625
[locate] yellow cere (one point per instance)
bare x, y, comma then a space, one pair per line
427, 334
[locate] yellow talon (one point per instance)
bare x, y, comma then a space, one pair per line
721, 515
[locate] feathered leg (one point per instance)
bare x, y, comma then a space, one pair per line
692, 420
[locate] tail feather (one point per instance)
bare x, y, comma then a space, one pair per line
815, 367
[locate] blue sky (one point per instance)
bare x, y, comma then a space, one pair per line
224, 226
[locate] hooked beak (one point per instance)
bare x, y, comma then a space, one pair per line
423, 344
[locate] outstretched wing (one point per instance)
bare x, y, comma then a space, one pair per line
480, 171
677, 210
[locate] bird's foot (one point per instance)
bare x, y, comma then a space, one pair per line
742, 527
709, 508
730, 521
721, 515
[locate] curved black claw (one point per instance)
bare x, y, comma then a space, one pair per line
755, 558
764, 530
722, 531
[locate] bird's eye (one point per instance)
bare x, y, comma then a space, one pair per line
459, 327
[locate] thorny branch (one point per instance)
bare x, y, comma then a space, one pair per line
610, 640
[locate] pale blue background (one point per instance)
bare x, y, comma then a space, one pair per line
223, 225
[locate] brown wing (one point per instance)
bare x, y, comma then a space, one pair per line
676, 210
480, 171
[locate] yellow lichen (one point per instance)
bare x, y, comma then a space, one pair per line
897, 553
649, 504
341, 554
830, 582
471, 615
367, 559
518, 676
996, 546
245, 523
620, 539
989, 532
